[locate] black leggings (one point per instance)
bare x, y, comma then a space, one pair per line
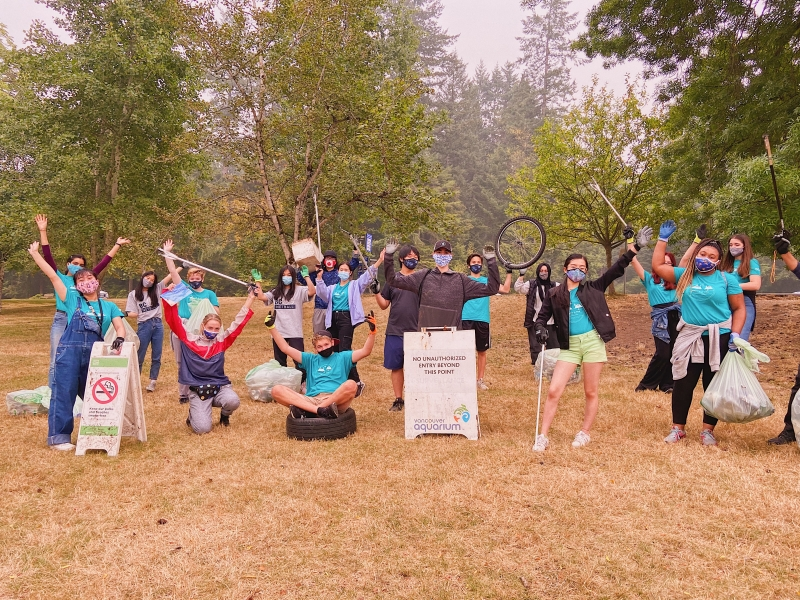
536, 347
684, 388
297, 344
342, 328
659, 371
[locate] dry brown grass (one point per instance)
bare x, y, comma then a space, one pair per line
250, 514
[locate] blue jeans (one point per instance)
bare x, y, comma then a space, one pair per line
151, 332
56, 331
749, 319
71, 372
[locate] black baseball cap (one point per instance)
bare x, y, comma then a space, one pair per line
330, 253
327, 334
442, 244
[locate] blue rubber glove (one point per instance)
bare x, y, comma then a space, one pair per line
731, 346
666, 230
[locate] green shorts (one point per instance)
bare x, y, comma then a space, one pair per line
585, 348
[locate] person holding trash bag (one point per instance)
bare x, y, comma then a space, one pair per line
288, 298
330, 276
740, 263
713, 315
535, 290
88, 320
202, 365
476, 316
665, 313
345, 311
75, 262
143, 305
329, 391
583, 327
195, 277
402, 317
442, 292
781, 241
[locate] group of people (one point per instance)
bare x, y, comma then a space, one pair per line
699, 307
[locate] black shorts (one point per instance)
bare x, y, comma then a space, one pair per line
483, 339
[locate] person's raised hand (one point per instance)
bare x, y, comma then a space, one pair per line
375, 286
269, 321
781, 242
168, 245
34, 248
488, 251
304, 271
372, 322
628, 233
122, 241
391, 245
701, 233
41, 222
666, 230
522, 272
643, 237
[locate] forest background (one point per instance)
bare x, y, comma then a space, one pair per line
217, 121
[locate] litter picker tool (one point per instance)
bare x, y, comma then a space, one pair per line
611, 206
777, 201
167, 254
316, 215
354, 240
539, 401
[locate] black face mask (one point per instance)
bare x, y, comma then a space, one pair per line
327, 352
410, 263
476, 268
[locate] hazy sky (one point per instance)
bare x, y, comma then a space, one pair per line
487, 31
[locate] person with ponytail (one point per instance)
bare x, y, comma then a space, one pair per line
665, 313
713, 314
88, 320
739, 261
583, 326
535, 290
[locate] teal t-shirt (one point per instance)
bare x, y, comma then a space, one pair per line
755, 269
187, 305
340, 299
578, 319
110, 310
477, 309
69, 281
705, 301
656, 294
325, 375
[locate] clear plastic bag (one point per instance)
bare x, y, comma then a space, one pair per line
261, 379
734, 395
550, 358
796, 416
194, 324
28, 402
130, 335
751, 355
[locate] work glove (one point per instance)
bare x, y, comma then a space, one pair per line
643, 237
375, 286
666, 230
628, 234
391, 245
542, 335
731, 346
701, 233
488, 251
117, 344
522, 272
509, 271
372, 322
781, 242
304, 271
269, 321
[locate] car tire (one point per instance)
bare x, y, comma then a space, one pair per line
321, 429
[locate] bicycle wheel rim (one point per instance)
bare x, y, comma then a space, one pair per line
520, 242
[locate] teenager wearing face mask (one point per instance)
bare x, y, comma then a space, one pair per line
194, 279
143, 305
583, 327
402, 317
535, 290
330, 276
442, 292
75, 262
345, 311
739, 262
475, 315
665, 312
88, 320
713, 315
288, 298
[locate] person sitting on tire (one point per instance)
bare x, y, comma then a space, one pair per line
328, 389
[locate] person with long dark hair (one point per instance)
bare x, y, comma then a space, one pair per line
740, 262
535, 290
713, 315
583, 327
665, 312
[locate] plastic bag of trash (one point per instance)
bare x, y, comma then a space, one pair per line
76, 408
796, 416
751, 355
28, 402
130, 335
194, 324
550, 358
734, 395
261, 379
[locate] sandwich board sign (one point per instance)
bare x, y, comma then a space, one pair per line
112, 402
441, 391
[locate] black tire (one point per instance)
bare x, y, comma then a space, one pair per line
321, 429
520, 242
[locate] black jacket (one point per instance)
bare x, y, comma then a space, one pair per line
592, 296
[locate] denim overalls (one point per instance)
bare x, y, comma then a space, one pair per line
71, 371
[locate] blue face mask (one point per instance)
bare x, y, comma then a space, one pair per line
476, 268
576, 275
210, 335
442, 260
287, 280
704, 265
410, 263
196, 284
72, 269
344, 275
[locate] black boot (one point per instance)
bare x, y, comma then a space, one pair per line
783, 438
225, 420
328, 412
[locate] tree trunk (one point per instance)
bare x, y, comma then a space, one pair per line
2, 279
609, 261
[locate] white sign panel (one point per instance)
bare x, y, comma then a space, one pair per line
441, 394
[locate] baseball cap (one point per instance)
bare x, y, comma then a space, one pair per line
330, 253
442, 244
327, 334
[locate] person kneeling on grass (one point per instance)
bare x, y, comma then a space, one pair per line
328, 389
202, 364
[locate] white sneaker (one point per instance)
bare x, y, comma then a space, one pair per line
481, 385
541, 443
152, 386
65, 447
581, 439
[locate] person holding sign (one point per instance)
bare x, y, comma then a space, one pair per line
202, 364
88, 320
328, 389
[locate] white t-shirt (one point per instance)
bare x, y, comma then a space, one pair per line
144, 308
289, 315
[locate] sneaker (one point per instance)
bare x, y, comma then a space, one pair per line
225, 420
783, 438
183, 400
397, 405
65, 447
581, 439
189, 422
328, 412
481, 385
675, 435
151, 387
667, 391
299, 413
707, 438
640, 388
361, 385
541, 443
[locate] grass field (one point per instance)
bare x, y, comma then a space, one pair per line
244, 513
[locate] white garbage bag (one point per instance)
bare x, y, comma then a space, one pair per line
550, 358
261, 379
194, 324
796, 416
734, 395
130, 335
28, 402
